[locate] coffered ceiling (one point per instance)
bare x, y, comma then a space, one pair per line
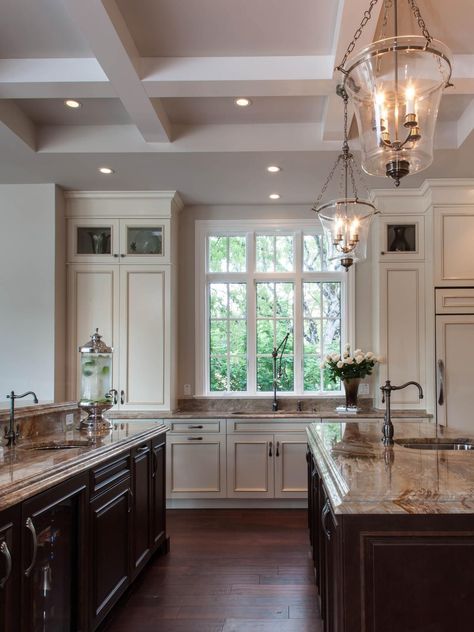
157, 81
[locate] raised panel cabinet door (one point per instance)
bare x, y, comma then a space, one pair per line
142, 464
291, 476
158, 491
453, 237
402, 330
454, 339
196, 466
53, 567
110, 535
250, 466
9, 569
144, 337
93, 302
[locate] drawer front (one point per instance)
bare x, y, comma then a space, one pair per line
110, 473
263, 425
195, 425
455, 300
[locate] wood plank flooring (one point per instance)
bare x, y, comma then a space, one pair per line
228, 571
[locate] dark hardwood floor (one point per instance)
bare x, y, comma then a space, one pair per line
228, 571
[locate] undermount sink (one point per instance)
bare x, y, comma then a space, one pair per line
436, 444
57, 445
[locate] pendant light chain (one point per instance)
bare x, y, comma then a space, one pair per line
368, 14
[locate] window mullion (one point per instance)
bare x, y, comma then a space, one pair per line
298, 314
251, 316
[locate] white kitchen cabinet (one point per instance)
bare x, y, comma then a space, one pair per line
453, 239
400, 329
130, 307
128, 240
401, 238
266, 458
455, 371
250, 466
196, 459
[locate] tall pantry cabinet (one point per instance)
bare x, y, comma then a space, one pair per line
122, 249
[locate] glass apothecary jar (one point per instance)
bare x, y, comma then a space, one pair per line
97, 394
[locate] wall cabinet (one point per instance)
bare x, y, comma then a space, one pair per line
453, 238
121, 251
130, 306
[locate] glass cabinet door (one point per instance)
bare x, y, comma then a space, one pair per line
93, 240
145, 240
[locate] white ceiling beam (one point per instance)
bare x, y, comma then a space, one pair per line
234, 76
194, 139
465, 124
18, 123
104, 28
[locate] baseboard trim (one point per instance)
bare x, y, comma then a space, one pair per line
236, 503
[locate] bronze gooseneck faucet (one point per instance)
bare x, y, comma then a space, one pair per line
11, 434
387, 422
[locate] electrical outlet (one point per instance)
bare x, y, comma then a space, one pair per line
363, 388
69, 419
187, 389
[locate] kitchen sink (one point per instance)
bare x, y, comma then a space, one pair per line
436, 444
57, 445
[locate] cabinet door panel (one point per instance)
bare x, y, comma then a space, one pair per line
144, 339
53, 540
291, 477
158, 490
250, 466
93, 302
454, 233
455, 335
110, 556
142, 505
9, 569
196, 466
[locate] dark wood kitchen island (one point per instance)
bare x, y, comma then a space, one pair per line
392, 529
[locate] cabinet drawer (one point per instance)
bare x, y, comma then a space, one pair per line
195, 425
455, 300
110, 473
262, 425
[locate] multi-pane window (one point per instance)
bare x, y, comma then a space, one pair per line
262, 285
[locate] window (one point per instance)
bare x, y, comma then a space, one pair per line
262, 288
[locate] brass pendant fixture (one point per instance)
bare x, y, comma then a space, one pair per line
395, 86
346, 219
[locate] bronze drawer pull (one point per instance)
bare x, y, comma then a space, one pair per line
194, 438
195, 427
326, 509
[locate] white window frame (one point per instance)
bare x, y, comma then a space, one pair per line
204, 228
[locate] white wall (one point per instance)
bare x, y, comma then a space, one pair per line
186, 284
31, 310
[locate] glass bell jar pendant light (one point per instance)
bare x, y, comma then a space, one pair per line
345, 219
395, 86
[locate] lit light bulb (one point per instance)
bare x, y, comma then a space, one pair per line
410, 100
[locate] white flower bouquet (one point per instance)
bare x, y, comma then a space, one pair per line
349, 365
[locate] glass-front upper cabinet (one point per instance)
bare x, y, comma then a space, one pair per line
103, 241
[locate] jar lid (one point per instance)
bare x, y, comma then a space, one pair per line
95, 345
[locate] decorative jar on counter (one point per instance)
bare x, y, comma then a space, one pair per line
97, 394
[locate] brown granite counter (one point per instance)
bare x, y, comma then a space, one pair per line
362, 477
25, 472
371, 413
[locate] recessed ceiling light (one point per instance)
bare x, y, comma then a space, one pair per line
106, 170
72, 103
242, 102
274, 196
273, 168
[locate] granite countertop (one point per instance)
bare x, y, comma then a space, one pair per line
25, 472
361, 476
